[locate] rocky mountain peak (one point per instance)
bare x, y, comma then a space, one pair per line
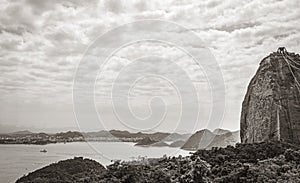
271, 107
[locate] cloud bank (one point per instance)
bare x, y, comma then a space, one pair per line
42, 43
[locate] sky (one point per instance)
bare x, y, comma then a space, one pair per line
44, 42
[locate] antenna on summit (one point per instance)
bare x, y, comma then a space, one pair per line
281, 50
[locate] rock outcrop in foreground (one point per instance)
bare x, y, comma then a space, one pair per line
245, 163
271, 108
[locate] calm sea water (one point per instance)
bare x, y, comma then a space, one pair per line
18, 160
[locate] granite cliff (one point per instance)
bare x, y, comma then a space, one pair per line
271, 107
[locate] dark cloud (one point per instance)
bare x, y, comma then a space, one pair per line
17, 30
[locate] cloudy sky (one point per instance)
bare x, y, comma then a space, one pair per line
43, 42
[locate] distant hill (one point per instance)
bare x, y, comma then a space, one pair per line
199, 140
24, 132
220, 131
146, 142
69, 134
178, 143
225, 139
101, 133
6, 129
157, 136
205, 139
177, 136
160, 144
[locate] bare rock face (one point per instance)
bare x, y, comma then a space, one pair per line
271, 108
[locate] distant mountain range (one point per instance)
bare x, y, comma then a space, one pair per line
119, 135
7, 128
24, 132
202, 139
29, 137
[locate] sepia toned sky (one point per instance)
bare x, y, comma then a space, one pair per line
42, 43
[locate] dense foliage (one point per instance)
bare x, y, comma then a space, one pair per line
67, 171
260, 162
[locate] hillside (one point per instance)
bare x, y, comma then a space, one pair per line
225, 139
199, 140
23, 132
205, 139
245, 163
67, 171
220, 131
146, 142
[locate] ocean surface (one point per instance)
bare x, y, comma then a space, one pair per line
19, 160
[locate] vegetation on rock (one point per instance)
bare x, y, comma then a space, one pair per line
67, 171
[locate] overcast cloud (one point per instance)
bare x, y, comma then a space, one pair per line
42, 43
